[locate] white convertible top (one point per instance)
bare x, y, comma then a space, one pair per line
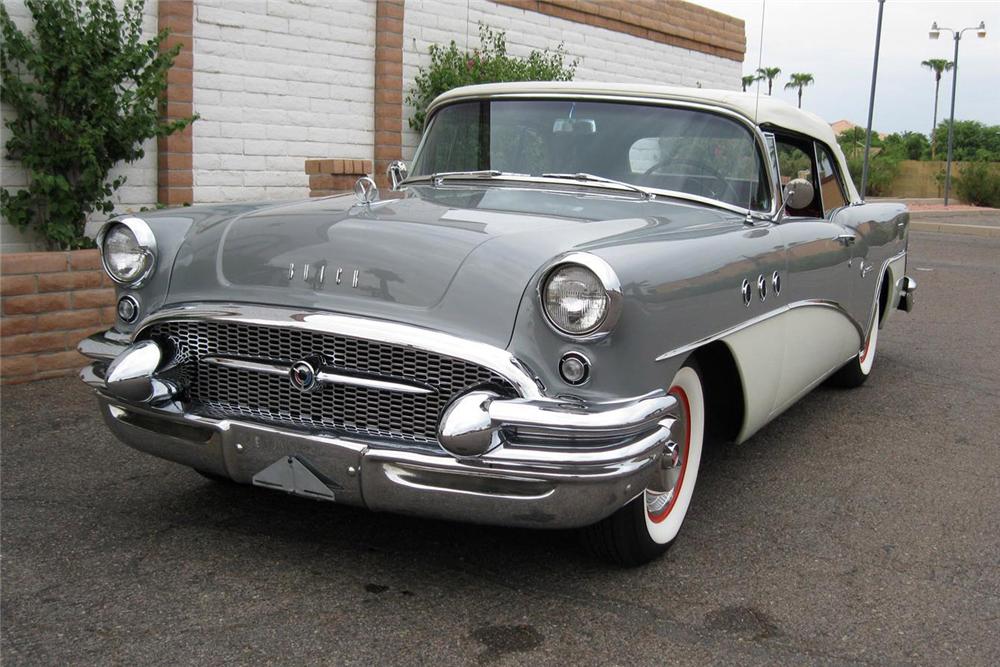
762, 110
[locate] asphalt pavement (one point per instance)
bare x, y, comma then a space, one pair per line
861, 526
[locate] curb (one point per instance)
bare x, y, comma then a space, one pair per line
955, 228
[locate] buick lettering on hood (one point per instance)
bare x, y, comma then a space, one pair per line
542, 321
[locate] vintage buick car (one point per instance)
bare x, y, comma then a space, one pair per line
572, 290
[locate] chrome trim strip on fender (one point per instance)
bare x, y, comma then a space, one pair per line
878, 291
324, 375
806, 303
496, 359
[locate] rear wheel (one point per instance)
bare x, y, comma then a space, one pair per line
856, 371
646, 527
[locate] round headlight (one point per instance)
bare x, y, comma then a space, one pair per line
128, 250
575, 299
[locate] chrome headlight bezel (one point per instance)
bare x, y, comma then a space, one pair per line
146, 243
609, 281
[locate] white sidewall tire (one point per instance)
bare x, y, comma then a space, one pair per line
664, 531
866, 360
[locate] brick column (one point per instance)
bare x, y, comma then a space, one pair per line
175, 179
388, 86
330, 177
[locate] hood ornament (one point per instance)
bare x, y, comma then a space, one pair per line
365, 191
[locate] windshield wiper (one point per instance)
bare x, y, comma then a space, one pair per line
593, 178
442, 176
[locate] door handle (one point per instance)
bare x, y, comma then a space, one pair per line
847, 239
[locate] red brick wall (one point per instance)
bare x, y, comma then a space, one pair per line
673, 22
328, 177
50, 301
388, 86
175, 179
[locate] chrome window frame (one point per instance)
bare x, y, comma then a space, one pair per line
754, 130
831, 158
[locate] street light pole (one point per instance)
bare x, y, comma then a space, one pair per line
934, 34
871, 100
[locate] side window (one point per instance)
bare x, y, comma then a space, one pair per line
830, 187
795, 160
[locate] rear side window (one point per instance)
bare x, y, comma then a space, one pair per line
829, 181
795, 160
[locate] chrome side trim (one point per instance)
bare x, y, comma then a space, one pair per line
496, 359
807, 303
324, 375
878, 291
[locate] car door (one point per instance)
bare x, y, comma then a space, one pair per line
818, 284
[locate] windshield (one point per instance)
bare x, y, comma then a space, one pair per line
669, 148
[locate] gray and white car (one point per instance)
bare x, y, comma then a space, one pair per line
569, 291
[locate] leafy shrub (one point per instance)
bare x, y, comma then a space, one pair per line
451, 68
979, 184
972, 141
882, 171
86, 92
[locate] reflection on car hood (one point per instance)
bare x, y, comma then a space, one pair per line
456, 259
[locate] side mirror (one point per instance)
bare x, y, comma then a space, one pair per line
798, 193
396, 174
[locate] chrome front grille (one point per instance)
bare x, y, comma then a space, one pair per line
229, 392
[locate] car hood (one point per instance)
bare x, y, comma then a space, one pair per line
453, 259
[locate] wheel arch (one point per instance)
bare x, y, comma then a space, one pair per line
883, 294
725, 402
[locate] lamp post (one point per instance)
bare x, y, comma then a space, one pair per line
957, 34
871, 100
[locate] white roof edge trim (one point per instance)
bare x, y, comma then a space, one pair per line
764, 110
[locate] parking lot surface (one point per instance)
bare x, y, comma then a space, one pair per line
860, 527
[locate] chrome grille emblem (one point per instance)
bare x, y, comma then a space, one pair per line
302, 375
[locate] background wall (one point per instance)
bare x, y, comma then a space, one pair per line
138, 191
275, 83
279, 82
605, 55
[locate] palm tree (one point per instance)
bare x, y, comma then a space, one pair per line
769, 73
749, 80
938, 66
800, 80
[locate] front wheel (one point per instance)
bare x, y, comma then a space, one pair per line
646, 527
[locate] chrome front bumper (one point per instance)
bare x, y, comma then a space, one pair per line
546, 463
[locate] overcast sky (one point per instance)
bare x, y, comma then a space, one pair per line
835, 41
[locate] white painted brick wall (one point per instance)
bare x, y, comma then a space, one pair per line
140, 188
605, 55
277, 82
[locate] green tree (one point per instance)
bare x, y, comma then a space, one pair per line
972, 141
749, 80
907, 146
938, 66
451, 68
769, 73
800, 80
85, 89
